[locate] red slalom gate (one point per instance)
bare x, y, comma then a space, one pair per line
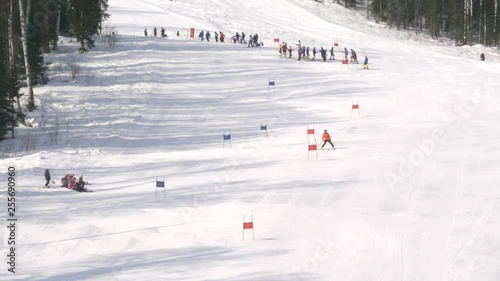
248, 225
312, 147
335, 42
355, 106
345, 62
310, 131
311, 142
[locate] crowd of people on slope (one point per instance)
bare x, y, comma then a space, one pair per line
304, 53
69, 181
155, 32
251, 41
284, 48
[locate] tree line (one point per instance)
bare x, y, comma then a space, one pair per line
29, 29
468, 22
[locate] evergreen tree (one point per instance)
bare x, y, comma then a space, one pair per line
395, 13
85, 19
466, 21
24, 12
64, 20
432, 17
457, 26
6, 110
418, 15
41, 34
38, 69
378, 9
42, 22
103, 14
351, 3
15, 61
489, 22
497, 23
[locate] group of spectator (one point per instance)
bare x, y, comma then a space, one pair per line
155, 32
284, 48
304, 53
251, 41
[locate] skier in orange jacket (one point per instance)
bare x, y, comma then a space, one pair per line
327, 139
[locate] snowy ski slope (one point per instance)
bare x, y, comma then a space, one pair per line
410, 194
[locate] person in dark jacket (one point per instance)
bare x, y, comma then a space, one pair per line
365, 63
80, 186
323, 54
354, 56
47, 177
